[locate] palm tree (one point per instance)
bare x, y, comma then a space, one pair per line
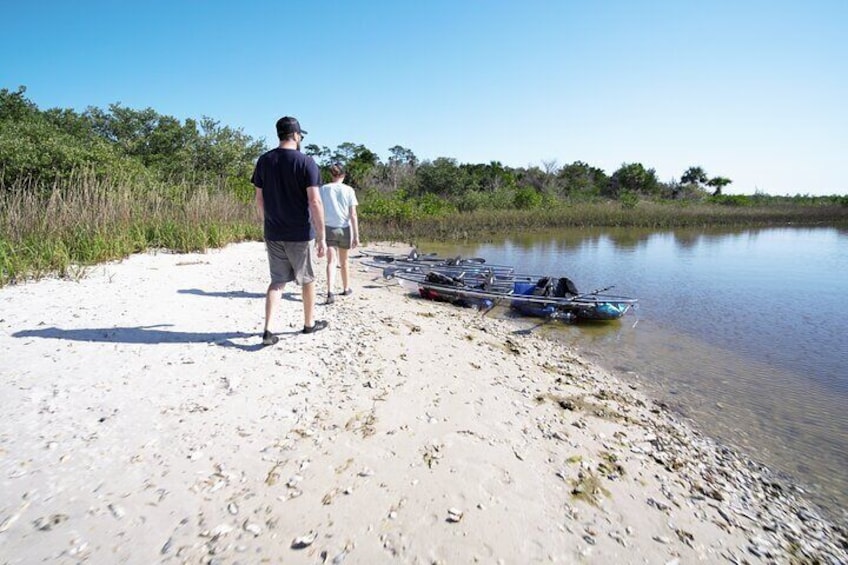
718, 183
694, 175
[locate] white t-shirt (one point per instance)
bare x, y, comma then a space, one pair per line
338, 198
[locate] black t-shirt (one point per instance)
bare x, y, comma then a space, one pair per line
283, 175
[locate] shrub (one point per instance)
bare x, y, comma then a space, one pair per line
526, 198
432, 205
389, 207
628, 200
242, 189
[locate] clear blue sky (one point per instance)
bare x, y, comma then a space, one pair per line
753, 90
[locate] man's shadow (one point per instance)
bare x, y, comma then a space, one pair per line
149, 335
152, 335
291, 297
222, 294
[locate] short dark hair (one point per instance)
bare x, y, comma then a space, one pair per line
337, 170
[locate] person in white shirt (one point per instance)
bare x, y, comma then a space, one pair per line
341, 227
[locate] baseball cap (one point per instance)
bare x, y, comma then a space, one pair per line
288, 125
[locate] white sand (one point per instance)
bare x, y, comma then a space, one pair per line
143, 423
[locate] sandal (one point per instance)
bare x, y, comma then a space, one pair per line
347, 292
317, 326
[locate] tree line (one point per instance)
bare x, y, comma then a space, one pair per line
445, 177
42, 147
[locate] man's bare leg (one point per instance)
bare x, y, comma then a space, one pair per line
309, 304
310, 324
272, 300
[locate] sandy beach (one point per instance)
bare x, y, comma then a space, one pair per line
144, 423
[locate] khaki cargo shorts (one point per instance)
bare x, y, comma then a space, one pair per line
291, 261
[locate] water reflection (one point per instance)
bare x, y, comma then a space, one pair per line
743, 330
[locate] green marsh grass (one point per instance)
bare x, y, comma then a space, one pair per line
646, 214
83, 221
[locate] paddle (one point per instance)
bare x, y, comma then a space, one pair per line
597, 291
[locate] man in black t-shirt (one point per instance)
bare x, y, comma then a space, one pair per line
289, 203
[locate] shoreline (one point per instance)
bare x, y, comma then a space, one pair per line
145, 423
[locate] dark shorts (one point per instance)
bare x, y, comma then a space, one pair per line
290, 261
337, 237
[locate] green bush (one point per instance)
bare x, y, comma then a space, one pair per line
526, 198
242, 189
432, 205
471, 200
389, 207
628, 200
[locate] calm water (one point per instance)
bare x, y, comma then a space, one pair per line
745, 332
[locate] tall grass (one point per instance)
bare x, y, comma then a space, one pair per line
646, 214
85, 220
